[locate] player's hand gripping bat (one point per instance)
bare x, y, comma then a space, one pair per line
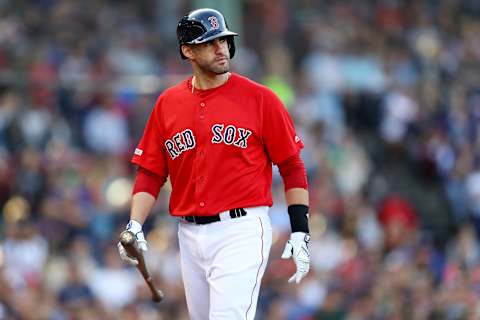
128, 241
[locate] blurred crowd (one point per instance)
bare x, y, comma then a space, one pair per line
385, 94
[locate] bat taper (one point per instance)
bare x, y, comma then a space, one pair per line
129, 242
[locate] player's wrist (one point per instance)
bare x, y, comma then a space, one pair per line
298, 214
300, 236
134, 226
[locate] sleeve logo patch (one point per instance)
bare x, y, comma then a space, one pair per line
138, 152
297, 139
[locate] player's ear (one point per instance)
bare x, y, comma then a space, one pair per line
187, 51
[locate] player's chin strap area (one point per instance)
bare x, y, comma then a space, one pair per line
222, 216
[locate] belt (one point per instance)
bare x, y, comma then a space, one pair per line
226, 215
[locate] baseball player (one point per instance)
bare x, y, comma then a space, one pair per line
217, 134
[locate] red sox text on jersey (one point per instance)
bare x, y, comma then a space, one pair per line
185, 140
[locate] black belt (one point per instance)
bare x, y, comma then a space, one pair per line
234, 213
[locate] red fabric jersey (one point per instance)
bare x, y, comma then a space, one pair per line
217, 145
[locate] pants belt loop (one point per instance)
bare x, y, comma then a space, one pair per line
236, 213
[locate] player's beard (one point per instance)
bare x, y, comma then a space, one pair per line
215, 67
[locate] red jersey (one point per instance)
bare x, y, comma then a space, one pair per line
217, 145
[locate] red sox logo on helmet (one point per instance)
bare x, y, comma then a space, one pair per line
214, 22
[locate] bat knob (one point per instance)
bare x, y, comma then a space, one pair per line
127, 238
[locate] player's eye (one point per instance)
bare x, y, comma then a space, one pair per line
211, 42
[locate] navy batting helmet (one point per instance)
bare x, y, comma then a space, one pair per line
204, 25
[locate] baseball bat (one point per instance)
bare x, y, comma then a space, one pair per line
129, 242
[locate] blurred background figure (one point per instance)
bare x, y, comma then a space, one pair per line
386, 95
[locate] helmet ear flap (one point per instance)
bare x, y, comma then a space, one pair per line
231, 46
189, 30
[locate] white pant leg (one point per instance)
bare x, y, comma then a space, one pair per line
237, 261
193, 272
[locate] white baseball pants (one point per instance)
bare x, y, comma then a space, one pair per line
223, 264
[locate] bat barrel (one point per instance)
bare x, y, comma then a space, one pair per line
157, 296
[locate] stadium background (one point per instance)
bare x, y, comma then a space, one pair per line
386, 95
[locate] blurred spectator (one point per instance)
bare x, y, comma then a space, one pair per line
399, 221
25, 253
75, 294
399, 112
106, 130
112, 284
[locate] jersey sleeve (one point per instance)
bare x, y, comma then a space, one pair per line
279, 135
150, 152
